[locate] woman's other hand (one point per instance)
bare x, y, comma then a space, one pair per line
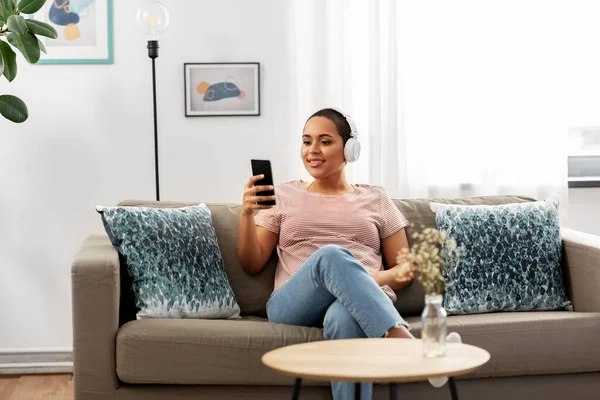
404, 274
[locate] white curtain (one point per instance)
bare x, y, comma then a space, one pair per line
451, 98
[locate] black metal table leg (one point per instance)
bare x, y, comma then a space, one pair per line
357, 391
453, 391
393, 391
297, 385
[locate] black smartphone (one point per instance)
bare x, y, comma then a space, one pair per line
263, 167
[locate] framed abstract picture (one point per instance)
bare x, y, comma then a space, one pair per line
222, 89
85, 31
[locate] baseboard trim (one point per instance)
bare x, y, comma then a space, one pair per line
42, 368
35, 361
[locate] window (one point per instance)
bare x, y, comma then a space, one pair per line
584, 156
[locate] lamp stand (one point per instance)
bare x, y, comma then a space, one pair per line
153, 54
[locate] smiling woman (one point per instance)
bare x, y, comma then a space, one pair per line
329, 134
319, 147
332, 238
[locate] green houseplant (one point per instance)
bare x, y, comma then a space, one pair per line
21, 33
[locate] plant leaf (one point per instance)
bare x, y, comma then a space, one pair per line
42, 47
1, 64
30, 6
13, 108
4, 14
27, 45
41, 28
16, 23
10, 61
9, 5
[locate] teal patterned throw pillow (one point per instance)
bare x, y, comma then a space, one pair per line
511, 259
174, 261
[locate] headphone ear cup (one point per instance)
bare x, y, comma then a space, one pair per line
352, 150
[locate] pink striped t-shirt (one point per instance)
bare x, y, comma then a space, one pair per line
305, 221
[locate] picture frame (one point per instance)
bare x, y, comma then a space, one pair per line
85, 31
222, 89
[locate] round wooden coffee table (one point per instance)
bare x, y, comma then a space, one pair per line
372, 360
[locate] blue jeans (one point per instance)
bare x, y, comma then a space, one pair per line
334, 290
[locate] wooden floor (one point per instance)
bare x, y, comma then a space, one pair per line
36, 387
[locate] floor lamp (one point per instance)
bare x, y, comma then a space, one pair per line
153, 20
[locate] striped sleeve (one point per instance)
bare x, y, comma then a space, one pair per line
270, 219
391, 219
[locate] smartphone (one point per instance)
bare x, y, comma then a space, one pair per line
263, 167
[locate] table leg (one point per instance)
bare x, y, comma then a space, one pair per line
357, 391
453, 391
297, 385
393, 391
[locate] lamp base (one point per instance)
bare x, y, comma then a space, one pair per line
152, 48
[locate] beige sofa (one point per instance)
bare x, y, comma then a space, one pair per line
534, 355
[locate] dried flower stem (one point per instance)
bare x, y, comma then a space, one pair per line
430, 253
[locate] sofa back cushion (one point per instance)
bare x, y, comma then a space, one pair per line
253, 291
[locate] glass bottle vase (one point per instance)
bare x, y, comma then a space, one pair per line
433, 323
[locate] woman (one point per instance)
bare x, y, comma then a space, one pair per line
330, 237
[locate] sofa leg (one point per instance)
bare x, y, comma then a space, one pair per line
297, 385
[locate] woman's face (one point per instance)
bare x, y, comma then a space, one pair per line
322, 148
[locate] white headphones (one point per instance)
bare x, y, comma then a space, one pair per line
352, 146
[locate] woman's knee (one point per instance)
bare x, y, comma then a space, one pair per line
331, 251
332, 260
334, 255
340, 324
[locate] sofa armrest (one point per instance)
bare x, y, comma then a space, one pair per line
581, 253
95, 297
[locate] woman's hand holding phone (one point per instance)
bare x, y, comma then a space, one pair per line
251, 199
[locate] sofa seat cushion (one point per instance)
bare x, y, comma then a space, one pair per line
530, 343
167, 351
192, 351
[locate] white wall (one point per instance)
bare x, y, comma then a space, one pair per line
89, 140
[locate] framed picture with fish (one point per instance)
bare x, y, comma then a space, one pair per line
221, 89
85, 31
